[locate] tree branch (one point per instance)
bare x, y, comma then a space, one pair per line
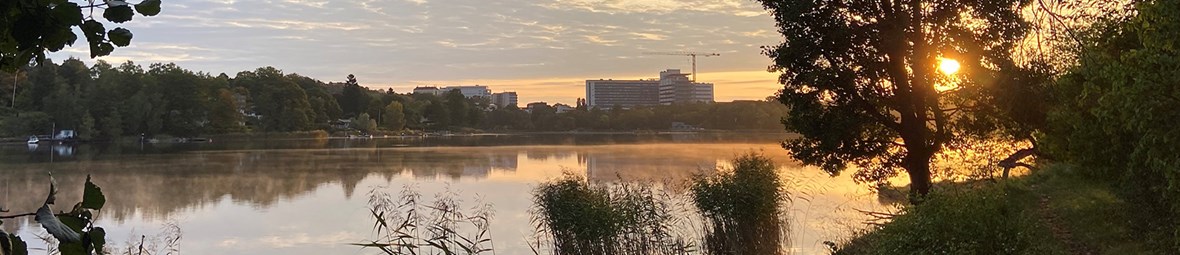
18, 215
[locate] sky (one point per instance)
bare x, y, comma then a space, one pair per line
542, 49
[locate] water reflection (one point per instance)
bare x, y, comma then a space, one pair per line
224, 196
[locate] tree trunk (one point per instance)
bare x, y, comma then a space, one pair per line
917, 165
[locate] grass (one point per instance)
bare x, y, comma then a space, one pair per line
576, 217
734, 211
1049, 212
1093, 213
742, 208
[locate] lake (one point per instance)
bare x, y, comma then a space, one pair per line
310, 196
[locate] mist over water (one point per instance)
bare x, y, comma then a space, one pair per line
309, 196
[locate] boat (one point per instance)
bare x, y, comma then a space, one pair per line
34, 140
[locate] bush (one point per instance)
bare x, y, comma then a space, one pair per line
984, 220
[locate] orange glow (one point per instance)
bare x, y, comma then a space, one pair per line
948, 66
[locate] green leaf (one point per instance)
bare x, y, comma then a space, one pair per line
74, 223
148, 7
68, 13
118, 14
92, 197
120, 37
18, 246
74, 248
98, 239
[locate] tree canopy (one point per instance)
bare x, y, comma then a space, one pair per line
861, 81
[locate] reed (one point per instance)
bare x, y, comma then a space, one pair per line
573, 216
742, 207
404, 225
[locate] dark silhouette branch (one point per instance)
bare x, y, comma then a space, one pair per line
18, 215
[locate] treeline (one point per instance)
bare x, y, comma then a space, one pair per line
105, 101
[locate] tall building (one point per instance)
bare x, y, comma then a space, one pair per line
623, 93
504, 99
677, 88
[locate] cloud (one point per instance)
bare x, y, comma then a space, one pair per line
542, 49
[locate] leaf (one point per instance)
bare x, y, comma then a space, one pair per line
68, 13
92, 197
118, 14
98, 239
13, 245
71, 248
148, 7
55, 227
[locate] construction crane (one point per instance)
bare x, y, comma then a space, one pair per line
690, 54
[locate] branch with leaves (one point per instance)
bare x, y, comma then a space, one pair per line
31, 28
74, 230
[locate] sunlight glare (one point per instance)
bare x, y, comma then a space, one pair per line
948, 66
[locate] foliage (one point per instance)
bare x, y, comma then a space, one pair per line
404, 226
743, 207
30, 28
362, 122
576, 217
861, 83
353, 100
1117, 111
74, 231
394, 116
966, 220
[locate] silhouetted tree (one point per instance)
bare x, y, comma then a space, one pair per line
861, 83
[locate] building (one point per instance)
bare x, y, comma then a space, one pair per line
677, 88
535, 105
468, 91
562, 108
432, 90
622, 93
504, 99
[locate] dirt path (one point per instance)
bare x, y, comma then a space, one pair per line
1060, 232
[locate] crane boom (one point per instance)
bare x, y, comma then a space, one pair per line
691, 54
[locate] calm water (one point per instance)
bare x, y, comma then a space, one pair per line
309, 196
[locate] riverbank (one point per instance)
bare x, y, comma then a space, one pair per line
1049, 212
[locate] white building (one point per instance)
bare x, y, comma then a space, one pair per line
432, 90
677, 88
504, 99
468, 91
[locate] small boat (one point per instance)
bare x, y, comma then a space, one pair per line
34, 140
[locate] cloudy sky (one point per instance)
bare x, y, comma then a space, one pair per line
543, 49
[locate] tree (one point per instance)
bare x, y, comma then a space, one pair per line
354, 99
1116, 116
223, 113
30, 28
395, 117
861, 82
362, 122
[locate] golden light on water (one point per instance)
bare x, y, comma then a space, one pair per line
948, 66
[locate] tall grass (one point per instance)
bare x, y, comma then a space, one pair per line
742, 207
732, 211
576, 217
404, 225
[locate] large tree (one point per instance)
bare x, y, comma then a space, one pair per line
862, 81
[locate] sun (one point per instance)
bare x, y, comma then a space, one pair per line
948, 66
